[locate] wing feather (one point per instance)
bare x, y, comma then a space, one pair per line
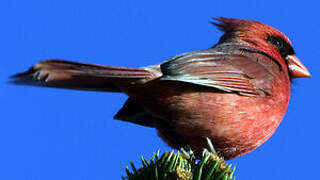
239, 72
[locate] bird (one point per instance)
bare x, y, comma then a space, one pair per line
235, 93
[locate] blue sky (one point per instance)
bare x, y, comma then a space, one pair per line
62, 134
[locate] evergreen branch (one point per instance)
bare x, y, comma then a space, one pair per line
182, 165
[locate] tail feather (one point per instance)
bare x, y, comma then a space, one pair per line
81, 76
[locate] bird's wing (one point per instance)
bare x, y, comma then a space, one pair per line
242, 73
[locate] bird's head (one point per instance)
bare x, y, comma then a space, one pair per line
264, 38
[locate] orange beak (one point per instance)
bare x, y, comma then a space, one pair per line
296, 68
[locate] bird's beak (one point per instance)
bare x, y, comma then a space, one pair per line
296, 68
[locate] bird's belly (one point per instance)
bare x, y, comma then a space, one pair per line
185, 114
236, 124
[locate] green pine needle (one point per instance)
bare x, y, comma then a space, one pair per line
173, 166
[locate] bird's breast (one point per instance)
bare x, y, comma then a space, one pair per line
235, 123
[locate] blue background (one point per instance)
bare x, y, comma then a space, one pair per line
49, 134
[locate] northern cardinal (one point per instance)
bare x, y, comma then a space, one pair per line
235, 93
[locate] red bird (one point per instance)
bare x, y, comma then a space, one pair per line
236, 93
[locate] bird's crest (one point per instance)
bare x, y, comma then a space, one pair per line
225, 24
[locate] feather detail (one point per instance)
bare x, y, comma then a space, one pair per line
224, 71
225, 24
73, 75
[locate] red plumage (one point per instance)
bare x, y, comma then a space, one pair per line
236, 93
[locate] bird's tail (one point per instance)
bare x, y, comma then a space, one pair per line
80, 76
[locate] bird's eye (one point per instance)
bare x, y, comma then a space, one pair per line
278, 43
283, 47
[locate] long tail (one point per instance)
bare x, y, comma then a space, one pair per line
73, 75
